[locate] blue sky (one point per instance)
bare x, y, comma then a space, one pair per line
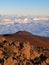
25, 7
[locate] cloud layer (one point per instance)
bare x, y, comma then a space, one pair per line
35, 25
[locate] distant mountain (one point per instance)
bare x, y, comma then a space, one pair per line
27, 36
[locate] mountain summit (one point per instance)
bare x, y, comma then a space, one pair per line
23, 33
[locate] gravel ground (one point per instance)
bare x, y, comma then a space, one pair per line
22, 53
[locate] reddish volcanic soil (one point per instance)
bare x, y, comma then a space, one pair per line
24, 48
26, 36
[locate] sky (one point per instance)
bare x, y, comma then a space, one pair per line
24, 7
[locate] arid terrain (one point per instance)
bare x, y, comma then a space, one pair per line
24, 48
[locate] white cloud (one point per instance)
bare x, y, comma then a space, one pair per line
19, 20
35, 18
40, 18
26, 20
5, 23
7, 20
